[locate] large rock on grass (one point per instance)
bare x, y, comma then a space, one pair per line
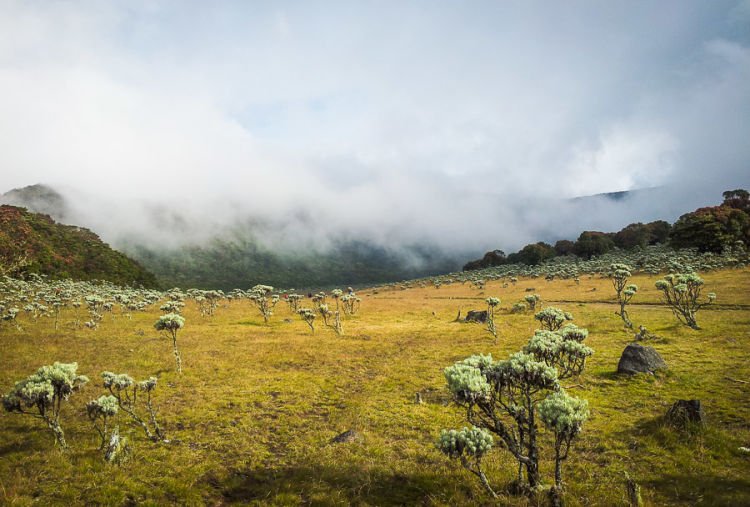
639, 359
479, 316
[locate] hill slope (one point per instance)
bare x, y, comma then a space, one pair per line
34, 243
240, 262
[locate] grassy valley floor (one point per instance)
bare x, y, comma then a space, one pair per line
252, 417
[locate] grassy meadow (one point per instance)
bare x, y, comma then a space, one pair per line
252, 418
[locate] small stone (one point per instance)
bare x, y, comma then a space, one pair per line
346, 437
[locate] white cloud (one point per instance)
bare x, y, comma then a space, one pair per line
385, 121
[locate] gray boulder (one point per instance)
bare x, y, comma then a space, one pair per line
639, 359
476, 316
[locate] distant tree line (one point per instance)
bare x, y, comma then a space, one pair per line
710, 229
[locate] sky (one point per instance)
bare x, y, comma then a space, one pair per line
464, 124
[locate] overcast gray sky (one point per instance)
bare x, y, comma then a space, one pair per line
385, 119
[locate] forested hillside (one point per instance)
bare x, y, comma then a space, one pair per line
34, 243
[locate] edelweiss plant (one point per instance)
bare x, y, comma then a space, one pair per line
565, 416
172, 307
169, 324
293, 302
336, 295
519, 307
125, 390
552, 318
532, 300
264, 301
41, 395
620, 273
100, 411
507, 398
492, 303
325, 313
309, 317
351, 303
469, 445
681, 292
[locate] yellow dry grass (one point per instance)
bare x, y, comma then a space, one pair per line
252, 417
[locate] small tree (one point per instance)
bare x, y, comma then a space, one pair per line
492, 303
319, 299
532, 300
620, 273
11, 263
324, 312
261, 296
309, 317
336, 294
552, 318
565, 416
351, 303
125, 390
45, 391
503, 398
172, 307
681, 292
469, 445
169, 324
337, 326
519, 307
559, 350
293, 302
102, 410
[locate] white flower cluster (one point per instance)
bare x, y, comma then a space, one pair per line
104, 406
170, 322
492, 301
564, 414
466, 380
552, 318
474, 442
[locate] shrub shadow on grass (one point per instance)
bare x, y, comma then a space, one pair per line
707, 489
308, 483
659, 431
18, 446
613, 375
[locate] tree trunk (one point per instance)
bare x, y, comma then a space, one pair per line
58, 432
177, 358
486, 484
532, 467
558, 465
